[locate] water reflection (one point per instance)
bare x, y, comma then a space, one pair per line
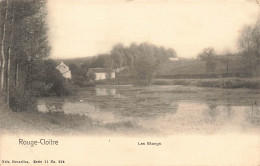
230, 113
158, 111
108, 92
77, 108
105, 91
51, 107
212, 110
254, 114
192, 116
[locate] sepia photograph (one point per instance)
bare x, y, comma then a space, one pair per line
133, 73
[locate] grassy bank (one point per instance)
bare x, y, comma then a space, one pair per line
251, 83
34, 122
37, 122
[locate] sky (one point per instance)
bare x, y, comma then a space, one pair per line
81, 28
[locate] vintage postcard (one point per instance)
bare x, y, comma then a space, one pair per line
129, 82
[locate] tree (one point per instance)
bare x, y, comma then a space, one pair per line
147, 60
140, 61
103, 61
24, 43
145, 69
249, 46
225, 58
118, 55
132, 53
92, 76
209, 56
171, 53
245, 41
4, 12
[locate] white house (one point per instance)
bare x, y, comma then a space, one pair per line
102, 73
64, 69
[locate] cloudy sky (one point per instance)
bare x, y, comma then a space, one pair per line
80, 28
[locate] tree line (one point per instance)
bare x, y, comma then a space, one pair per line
24, 50
247, 58
140, 60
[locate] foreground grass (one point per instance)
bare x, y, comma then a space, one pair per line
58, 123
232, 83
37, 122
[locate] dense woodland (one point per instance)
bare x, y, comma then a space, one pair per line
24, 49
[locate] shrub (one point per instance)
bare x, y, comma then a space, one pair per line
24, 102
251, 83
61, 87
241, 83
208, 83
172, 82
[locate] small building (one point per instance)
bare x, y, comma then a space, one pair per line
64, 69
102, 73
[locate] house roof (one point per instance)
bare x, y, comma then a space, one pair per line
57, 63
63, 68
101, 70
61, 63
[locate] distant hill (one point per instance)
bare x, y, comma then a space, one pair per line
194, 67
182, 66
178, 67
76, 61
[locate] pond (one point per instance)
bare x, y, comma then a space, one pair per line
164, 109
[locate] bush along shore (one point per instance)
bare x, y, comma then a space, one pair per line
232, 83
